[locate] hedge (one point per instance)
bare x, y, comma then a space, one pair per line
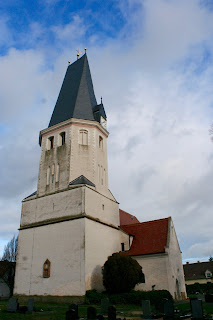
198, 287
133, 297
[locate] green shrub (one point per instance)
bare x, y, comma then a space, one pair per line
121, 273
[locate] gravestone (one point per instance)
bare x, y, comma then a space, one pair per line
30, 305
208, 298
146, 309
196, 308
91, 313
12, 305
74, 307
104, 305
111, 313
71, 315
200, 296
168, 309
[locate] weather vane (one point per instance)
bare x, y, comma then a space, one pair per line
78, 53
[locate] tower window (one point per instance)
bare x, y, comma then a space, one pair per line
46, 269
50, 143
122, 246
100, 142
83, 137
61, 139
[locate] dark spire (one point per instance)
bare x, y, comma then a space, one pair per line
76, 98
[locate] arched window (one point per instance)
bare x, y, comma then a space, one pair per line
61, 139
83, 137
46, 269
50, 143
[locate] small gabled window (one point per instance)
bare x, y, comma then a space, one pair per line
61, 139
46, 269
50, 143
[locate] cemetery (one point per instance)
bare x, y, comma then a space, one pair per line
193, 308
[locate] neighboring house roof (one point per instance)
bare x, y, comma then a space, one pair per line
76, 98
149, 237
127, 218
4, 266
197, 270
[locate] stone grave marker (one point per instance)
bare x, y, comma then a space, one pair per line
74, 307
91, 313
71, 315
104, 305
111, 313
168, 309
196, 308
12, 305
30, 305
146, 309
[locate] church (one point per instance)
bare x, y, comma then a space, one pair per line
72, 223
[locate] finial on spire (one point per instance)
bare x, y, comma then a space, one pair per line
78, 53
101, 100
85, 49
69, 62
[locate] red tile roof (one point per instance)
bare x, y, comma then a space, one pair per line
149, 237
127, 218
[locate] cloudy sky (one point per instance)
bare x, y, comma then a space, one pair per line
152, 61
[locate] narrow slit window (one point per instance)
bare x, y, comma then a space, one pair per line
102, 180
100, 142
53, 172
122, 246
48, 176
46, 269
57, 173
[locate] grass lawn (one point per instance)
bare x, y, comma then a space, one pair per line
53, 311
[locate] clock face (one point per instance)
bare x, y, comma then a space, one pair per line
103, 123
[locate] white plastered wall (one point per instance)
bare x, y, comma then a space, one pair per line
155, 268
175, 266
101, 241
64, 245
57, 205
101, 207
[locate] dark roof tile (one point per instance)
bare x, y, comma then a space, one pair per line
76, 98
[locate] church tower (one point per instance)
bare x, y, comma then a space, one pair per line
70, 225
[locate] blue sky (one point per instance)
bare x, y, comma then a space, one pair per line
151, 60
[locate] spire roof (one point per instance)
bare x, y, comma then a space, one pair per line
76, 98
